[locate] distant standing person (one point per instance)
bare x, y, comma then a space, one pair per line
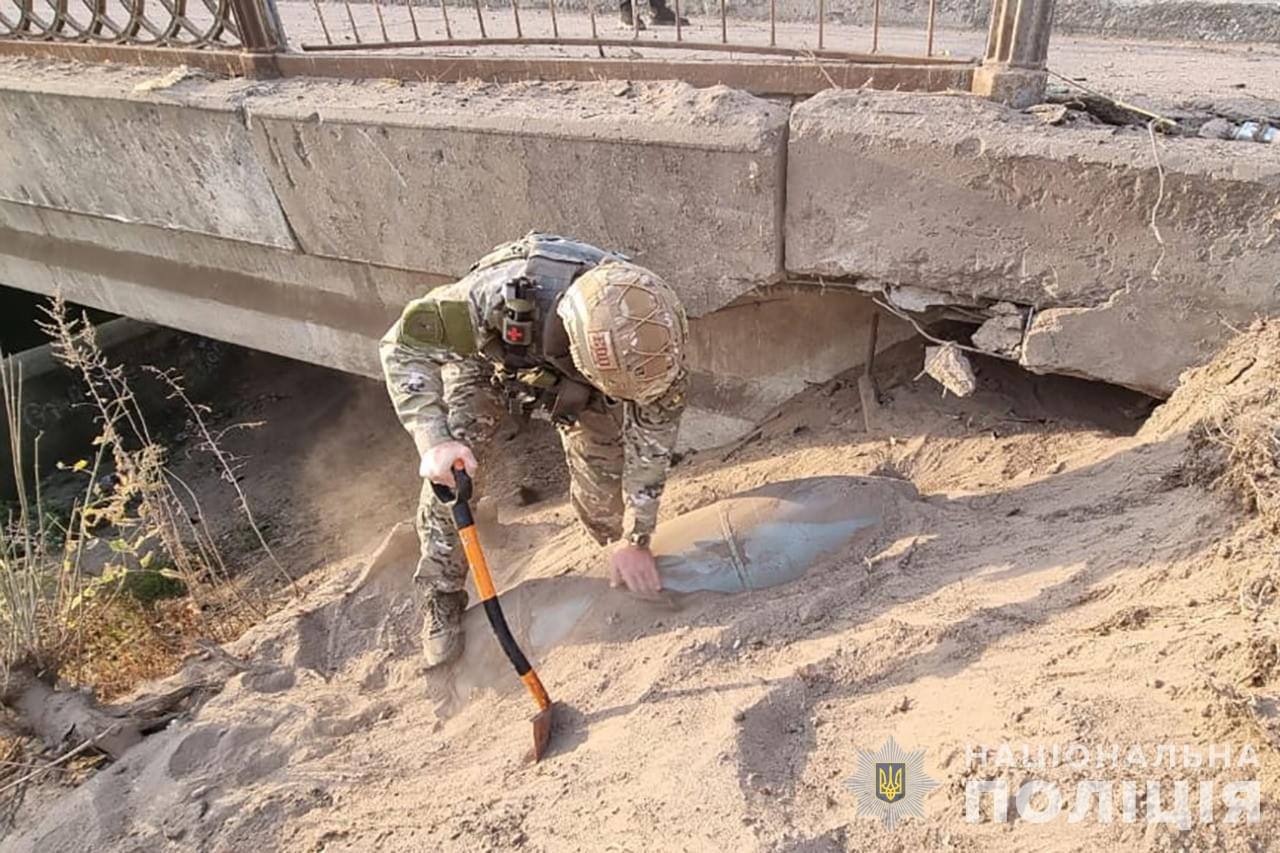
659, 13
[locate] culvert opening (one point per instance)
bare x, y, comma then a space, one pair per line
1047, 398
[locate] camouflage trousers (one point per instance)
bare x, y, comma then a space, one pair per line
593, 450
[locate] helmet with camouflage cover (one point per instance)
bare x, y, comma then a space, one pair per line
627, 330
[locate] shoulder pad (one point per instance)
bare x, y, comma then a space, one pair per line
502, 254
536, 244
440, 320
566, 251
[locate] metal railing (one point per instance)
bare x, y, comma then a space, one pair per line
783, 47
377, 25
231, 24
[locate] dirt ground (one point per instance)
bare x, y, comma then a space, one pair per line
1060, 574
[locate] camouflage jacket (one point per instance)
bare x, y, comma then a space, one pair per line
432, 411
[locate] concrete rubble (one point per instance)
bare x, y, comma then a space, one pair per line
1002, 334
951, 368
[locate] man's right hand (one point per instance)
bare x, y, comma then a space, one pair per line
437, 463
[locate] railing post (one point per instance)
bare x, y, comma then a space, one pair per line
1013, 70
259, 25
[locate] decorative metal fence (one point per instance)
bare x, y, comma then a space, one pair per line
377, 25
791, 47
229, 24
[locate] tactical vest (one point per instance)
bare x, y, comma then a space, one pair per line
530, 345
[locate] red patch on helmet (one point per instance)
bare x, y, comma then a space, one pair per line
602, 354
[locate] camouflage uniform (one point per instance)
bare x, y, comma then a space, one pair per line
618, 452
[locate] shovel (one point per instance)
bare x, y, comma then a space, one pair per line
458, 502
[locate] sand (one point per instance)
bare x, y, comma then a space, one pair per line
1054, 572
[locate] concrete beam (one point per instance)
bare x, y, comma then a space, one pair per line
745, 358
315, 309
968, 197
430, 177
91, 144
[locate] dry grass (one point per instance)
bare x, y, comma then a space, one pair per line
135, 642
1238, 451
1234, 440
119, 586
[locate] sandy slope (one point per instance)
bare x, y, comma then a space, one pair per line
1054, 583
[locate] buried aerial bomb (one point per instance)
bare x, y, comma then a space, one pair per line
751, 541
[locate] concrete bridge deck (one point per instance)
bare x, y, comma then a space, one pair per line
297, 215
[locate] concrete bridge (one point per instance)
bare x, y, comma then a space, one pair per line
296, 215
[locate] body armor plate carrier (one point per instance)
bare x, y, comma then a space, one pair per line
532, 349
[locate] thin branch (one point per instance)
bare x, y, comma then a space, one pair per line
1164, 121
228, 473
62, 759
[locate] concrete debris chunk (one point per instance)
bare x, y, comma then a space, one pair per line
1002, 334
1217, 128
951, 368
1054, 114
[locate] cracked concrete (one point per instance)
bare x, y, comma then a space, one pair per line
297, 216
961, 196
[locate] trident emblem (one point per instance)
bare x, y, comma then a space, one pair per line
890, 781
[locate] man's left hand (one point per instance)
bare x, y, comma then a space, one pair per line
635, 567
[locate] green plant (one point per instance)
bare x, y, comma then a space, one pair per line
82, 590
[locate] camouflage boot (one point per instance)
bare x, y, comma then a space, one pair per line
442, 636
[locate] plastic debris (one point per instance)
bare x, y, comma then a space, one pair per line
1052, 114
919, 299
1253, 131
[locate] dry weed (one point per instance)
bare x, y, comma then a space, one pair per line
1231, 411
113, 592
